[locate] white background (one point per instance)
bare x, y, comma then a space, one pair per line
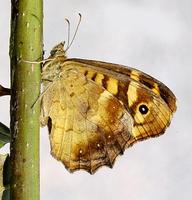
152, 35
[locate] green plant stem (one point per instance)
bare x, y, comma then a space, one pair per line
25, 45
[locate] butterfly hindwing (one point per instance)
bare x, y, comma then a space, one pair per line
89, 126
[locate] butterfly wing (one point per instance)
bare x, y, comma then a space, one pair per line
150, 103
88, 126
94, 110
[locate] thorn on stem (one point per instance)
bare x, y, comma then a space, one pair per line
4, 91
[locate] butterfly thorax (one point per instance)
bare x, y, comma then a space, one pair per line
53, 66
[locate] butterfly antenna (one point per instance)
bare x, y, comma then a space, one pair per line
68, 32
76, 30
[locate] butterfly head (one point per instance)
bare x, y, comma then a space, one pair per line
58, 50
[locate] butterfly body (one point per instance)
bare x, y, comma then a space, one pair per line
95, 110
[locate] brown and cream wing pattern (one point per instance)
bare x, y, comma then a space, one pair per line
150, 103
88, 126
94, 110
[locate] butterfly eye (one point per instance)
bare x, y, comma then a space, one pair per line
53, 52
143, 109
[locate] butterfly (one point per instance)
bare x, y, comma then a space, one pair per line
95, 110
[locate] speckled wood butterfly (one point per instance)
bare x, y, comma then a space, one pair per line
95, 110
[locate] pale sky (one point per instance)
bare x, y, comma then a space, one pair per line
151, 35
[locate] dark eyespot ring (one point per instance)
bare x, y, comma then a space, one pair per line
143, 109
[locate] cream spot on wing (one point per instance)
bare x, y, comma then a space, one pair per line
99, 78
90, 74
132, 95
134, 75
132, 91
98, 145
112, 85
80, 151
156, 89
104, 96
